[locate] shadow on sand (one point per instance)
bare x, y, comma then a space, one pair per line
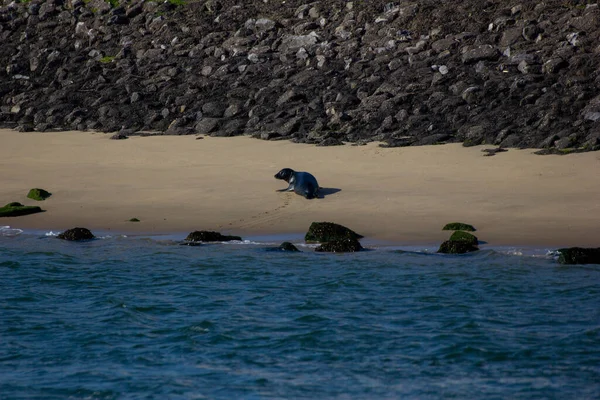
327, 191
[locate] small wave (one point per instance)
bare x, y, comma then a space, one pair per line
8, 231
52, 233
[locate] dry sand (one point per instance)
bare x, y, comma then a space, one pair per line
401, 195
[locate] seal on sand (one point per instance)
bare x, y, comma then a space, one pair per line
302, 183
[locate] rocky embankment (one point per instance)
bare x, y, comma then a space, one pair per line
514, 74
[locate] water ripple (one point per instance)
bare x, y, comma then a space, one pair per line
134, 317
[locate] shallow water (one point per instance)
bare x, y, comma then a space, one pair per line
139, 317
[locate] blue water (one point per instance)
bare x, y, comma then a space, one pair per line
135, 317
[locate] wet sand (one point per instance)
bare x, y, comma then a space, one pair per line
403, 195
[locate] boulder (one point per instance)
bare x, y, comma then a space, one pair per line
464, 237
287, 246
38, 194
209, 236
322, 232
579, 255
458, 226
17, 209
76, 234
344, 245
456, 247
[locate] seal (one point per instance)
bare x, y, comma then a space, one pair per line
302, 183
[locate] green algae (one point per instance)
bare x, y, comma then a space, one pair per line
38, 194
465, 237
458, 226
17, 209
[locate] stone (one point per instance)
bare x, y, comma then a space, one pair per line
345, 245
322, 232
76, 234
38, 194
17, 209
456, 247
210, 236
579, 255
287, 246
460, 236
484, 52
458, 226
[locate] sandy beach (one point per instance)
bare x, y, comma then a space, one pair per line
401, 195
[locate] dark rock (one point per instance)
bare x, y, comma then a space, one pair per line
38, 194
207, 125
17, 209
328, 231
209, 236
403, 73
480, 53
76, 234
287, 246
344, 245
460, 236
458, 226
579, 255
456, 247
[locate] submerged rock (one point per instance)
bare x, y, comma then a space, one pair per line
76, 234
38, 194
458, 226
328, 231
210, 236
287, 246
579, 255
456, 247
345, 245
17, 209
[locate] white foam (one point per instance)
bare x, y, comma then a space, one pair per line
51, 233
8, 231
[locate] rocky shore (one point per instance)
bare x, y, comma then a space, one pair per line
520, 74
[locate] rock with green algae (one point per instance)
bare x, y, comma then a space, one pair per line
287, 246
17, 209
344, 245
465, 237
210, 236
76, 234
579, 255
38, 194
322, 232
456, 247
458, 226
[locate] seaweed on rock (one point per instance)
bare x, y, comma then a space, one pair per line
17, 209
321, 232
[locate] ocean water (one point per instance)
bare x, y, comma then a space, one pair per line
144, 317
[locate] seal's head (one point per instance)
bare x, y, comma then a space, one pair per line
285, 174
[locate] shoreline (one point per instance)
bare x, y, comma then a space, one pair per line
402, 195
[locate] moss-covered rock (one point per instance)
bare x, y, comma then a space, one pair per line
76, 234
17, 209
344, 245
210, 236
287, 246
321, 232
459, 226
465, 237
579, 255
456, 247
38, 194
